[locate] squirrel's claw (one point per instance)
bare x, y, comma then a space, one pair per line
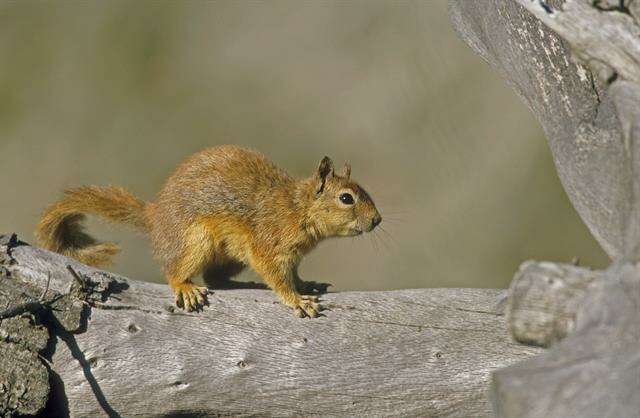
307, 306
191, 297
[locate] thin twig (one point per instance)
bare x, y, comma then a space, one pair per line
46, 288
79, 280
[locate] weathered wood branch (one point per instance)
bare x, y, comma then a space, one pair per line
414, 352
592, 122
544, 300
571, 105
593, 372
605, 39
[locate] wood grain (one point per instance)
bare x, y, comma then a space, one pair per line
414, 352
575, 64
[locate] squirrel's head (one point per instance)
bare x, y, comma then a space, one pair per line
340, 206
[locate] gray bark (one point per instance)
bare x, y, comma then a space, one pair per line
544, 299
414, 352
575, 112
589, 107
24, 383
595, 371
603, 36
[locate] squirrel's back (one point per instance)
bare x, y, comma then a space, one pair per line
225, 178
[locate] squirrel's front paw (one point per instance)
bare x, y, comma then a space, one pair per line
307, 307
190, 297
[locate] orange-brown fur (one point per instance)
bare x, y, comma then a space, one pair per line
60, 228
223, 205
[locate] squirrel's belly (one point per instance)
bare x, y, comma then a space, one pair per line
229, 235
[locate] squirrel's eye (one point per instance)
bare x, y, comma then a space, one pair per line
346, 198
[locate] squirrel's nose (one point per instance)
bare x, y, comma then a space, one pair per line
376, 220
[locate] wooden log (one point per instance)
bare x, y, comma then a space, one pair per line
544, 299
592, 123
412, 352
605, 36
570, 103
593, 372
24, 382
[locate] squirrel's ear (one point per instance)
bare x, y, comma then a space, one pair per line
346, 171
324, 169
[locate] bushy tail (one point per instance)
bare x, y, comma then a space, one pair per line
61, 230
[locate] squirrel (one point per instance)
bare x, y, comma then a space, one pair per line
223, 205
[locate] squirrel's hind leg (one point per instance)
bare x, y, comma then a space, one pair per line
197, 253
188, 295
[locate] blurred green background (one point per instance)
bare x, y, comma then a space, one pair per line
119, 92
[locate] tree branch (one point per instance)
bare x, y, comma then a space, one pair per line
414, 352
593, 128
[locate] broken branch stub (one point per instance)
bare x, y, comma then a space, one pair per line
544, 299
594, 372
